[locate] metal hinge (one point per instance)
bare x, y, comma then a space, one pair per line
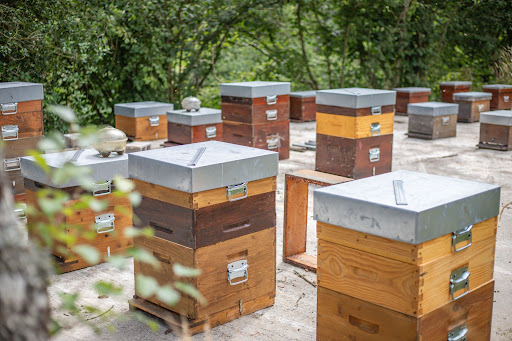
236, 270
271, 115
459, 279
374, 154
154, 121
460, 236
102, 188
375, 129
237, 189
211, 132
104, 223
10, 132
12, 164
445, 120
272, 99
377, 110
9, 108
458, 334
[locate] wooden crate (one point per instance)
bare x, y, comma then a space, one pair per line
257, 284
354, 127
341, 317
200, 219
255, 110
404, 96
411, 279
140, 128
471, 104
354, 158
271, 136
501, 96
303, 106
450, 88
183, 134
497, 137
431, 128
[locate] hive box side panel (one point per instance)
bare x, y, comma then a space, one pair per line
335, 155
179, 133
199, 133
256, 113
496, 135
266, 134
352, 112
30, 124
20, 147
364, 167
353, 127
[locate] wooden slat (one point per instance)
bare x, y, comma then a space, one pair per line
344, 111
296, 216
30, 124
497, 136
200, 199
318, 178
353, 127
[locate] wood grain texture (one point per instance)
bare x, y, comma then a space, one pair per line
254, 114
494, 136
343, 111
353, 127
208, 225
350, 157
15, 181
431, 128
183, 134
200, 199
411, 289
469, 112
20, 147
139, 129
498, 101
341, 317
257, 248
302, 109
260, 136
409, 253
447, 91
404, 98
30, 124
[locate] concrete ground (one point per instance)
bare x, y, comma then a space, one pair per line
293, 317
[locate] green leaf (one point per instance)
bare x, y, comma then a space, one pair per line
168, 295
191, 291
117, 261
40, 161
143, 256
123, 185
65, 113
98, 205
135, 198
89, 253
106, 288
146, 286
184, 271
133, 232
69, 301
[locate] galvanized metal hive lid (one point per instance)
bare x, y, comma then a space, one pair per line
303, 94
436, 205
221, 164
195, 118
102, 168
497, 86
455, 83
14, 92
254, 89
498, 117
142, 109
412, 89
356, 98
432, 109
472, 96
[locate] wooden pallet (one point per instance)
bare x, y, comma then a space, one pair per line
184, 326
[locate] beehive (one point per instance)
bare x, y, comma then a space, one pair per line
432, 120
143, 121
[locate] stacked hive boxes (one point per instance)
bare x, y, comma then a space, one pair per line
406, 256
432, 120
450, 88
185, 127
257, 114
108, 224
354, 131
212, 206
501, 96
471, 104
21, 124
302, 106
496, 130
143, 121
404, 96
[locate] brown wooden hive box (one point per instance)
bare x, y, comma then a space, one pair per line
450, 88
202, 125
501, 96
471, 104
432, 120
303, 106
354, 158
255, 110
496, 130
143, 121
408, 95
109, 225
269, 136
411, 259
341, 317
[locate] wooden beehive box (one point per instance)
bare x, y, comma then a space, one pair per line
185, 127
354, 131
450, 88
471, 104
496, 130
501, 96
408, 95
432, 120
108, 224
143, 121
257, 114
21, 126
212, 209
303, 106
406, 241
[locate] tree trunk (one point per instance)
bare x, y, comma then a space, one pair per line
24, 308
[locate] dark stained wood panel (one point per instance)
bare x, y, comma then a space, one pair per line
183, 134
496, 137
328, 109
20, 147
302, 109
431, 128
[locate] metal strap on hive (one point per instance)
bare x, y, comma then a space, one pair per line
232, 190
12, 164
154, 121
375, 129
271, 115
458, 334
